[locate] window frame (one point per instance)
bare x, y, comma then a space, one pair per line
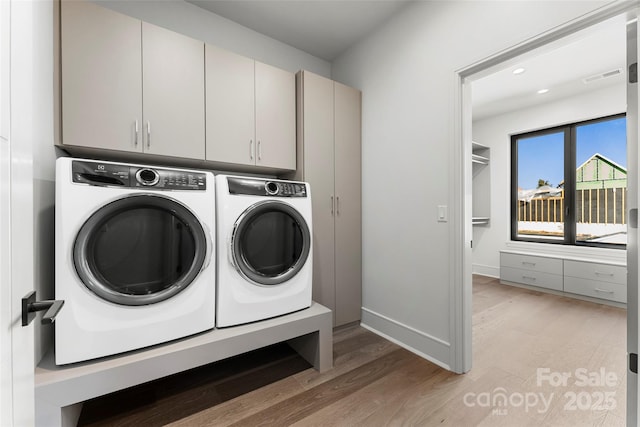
570, 143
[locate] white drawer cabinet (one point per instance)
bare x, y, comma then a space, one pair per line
531, 270
596, 289
596, 280
596, 271
573, 277
532, 278
531, 263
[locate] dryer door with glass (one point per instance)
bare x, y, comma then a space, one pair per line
270, 242
140, 249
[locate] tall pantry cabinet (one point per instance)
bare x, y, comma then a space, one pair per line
329, 158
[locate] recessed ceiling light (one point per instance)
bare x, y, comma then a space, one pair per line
541, 91
518, 71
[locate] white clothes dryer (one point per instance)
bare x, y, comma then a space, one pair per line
264, 248
135, 256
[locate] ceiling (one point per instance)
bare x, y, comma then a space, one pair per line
560, 67
326, 28
323, 28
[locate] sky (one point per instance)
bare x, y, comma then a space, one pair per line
542, 157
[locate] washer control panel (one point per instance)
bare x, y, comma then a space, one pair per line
129, 176
265, 187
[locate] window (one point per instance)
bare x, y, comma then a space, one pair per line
569, 184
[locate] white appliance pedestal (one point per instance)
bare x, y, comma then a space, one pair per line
61, 390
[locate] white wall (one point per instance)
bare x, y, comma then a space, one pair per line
190, 20
406, 71
495, 132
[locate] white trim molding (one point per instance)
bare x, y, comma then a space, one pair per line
486, 270
424, 345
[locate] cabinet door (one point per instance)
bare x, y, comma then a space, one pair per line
317, 130
230, 112
348, 228
101, 77
173, 83
275, 117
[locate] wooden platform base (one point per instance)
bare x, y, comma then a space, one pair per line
61, 390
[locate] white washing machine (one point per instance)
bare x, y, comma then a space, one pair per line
135, 256
264, 248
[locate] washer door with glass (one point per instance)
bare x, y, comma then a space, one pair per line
270, 243
140, 250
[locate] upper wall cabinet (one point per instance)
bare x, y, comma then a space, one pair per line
251, 113
109, 60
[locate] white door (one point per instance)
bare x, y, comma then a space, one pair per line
6, 391
19, 20
632, 239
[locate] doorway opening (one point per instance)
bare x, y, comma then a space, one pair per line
491, 234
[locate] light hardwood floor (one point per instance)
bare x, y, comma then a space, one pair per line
523, 342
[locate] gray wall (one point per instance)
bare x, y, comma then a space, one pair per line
406, 71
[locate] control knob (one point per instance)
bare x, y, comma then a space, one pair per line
147, 177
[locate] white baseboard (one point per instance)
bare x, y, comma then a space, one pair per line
424, 345
486, 270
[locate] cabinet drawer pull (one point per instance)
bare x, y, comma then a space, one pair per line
529, 278
598, 273
603, 291
338, 205
135, 139
331, 205
148, 134
259, 150
251, 149
532, 264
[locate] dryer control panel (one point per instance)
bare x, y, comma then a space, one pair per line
128, 176
265, 187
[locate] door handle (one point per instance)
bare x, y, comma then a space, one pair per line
30, 306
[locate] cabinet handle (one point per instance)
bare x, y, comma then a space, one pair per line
259, 150
529, 278
603, 291
338, 205
148, 134
331, 205
532, 264
598, 273
135, 139
251, 149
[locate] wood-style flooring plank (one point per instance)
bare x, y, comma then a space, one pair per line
389, 390
296, 408
369, 349
374, 382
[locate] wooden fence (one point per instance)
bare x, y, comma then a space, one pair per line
593, 206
